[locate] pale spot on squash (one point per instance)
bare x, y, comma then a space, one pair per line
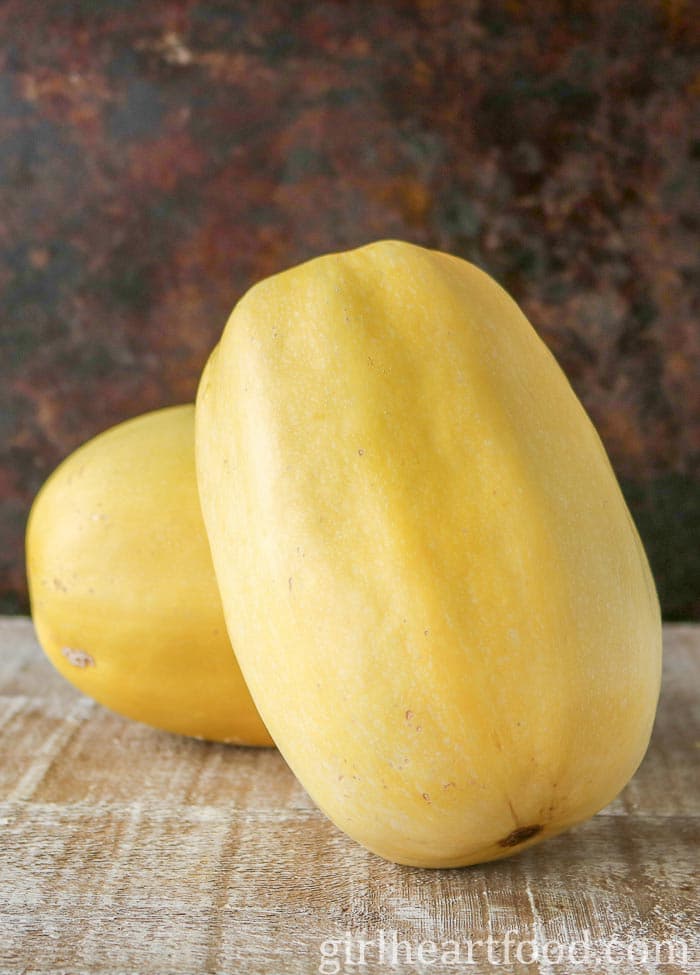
77, 658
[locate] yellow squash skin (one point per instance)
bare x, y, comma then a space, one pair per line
122, 587
437, 596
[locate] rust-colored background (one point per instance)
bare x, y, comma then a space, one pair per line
158, 158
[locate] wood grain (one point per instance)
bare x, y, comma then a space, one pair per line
124, 849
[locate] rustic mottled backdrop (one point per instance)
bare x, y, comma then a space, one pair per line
158, 158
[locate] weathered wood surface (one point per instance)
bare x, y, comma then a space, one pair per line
124, 849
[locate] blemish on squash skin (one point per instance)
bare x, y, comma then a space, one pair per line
77, 658
409, 715
520, 835
426, 796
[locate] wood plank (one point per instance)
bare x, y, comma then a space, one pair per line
125, 849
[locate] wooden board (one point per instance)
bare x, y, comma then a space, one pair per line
124, 849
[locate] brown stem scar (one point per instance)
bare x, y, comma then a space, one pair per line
520, 835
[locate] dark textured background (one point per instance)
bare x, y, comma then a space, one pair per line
158, 158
